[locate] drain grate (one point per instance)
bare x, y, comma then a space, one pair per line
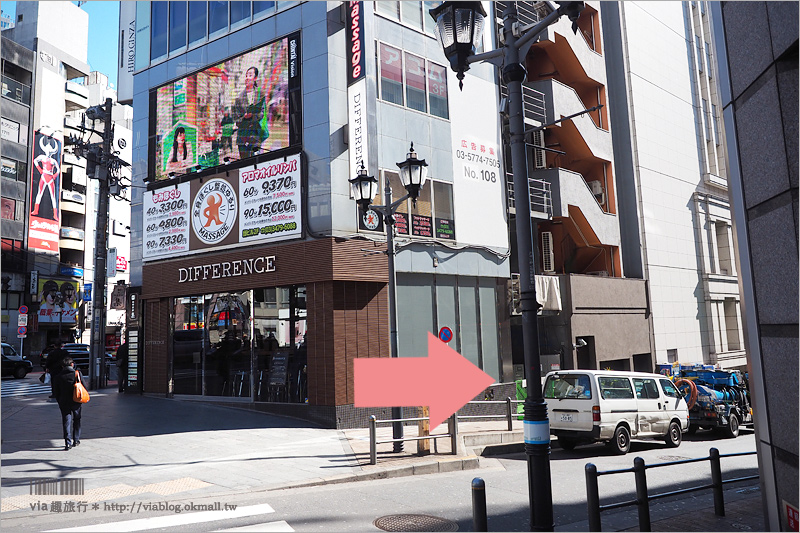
414, 522
673, 457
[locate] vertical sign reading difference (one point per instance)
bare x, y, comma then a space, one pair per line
166, 221
270, 204
356, 87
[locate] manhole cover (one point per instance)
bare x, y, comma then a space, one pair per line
414, 522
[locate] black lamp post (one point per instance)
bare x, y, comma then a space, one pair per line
413, 173
458, 28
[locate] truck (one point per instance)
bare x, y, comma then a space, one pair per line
717, 399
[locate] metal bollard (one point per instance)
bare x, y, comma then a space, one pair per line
509, 413
642, 501
716, 482
592, 497
373, 446
479, 518
452, 429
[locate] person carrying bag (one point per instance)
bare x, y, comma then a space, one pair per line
65, 387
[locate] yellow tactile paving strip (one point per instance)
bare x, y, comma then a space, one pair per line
111, 492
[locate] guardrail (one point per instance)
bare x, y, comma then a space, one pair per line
452, 427
643, 499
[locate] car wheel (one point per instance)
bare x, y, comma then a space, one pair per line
673, 437
732, 430
20, 372
621, 443
566, 444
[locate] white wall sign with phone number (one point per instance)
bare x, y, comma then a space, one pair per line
166, 222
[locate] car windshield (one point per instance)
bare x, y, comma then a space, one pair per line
560, 387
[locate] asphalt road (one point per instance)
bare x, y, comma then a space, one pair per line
355, 506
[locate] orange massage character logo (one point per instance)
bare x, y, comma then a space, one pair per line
212, 211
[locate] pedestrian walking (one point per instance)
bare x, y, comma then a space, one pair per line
54, 364
64, 386
122, 366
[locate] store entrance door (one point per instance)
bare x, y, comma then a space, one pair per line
227, 350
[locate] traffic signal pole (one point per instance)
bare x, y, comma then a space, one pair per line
97, 355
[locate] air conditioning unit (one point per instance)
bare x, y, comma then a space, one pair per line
539, 160
548, 258
598, 192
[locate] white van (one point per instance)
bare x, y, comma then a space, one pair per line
609, 406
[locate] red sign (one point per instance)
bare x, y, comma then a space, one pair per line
356, 59
43, 227
792, 517
122, 264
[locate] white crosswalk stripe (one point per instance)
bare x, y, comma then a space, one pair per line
184, 519
280, 525
27, 386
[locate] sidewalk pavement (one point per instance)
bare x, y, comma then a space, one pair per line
149, 445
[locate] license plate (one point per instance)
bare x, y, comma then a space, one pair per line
565, 418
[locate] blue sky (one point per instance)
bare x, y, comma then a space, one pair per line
103, 34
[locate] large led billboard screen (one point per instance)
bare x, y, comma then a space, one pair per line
234, 110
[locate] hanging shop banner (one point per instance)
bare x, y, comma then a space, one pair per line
58, 301
478, 177
234, 110
43, 226
237, 208
166, 222
270, 201
356, 60
356, 87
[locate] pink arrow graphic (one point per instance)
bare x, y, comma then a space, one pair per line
444, 381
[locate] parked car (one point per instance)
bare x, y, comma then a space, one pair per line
81, 354
15, 364
613, 407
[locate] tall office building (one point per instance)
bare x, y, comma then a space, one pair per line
259, 280
672, 176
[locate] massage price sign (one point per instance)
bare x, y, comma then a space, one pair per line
270, 203
166, 221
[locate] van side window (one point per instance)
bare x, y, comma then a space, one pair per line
615, 388
669, 388
645, 389
564, 386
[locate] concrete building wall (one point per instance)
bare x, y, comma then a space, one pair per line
660, 78
760, 99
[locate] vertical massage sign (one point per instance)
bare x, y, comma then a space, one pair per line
260, 204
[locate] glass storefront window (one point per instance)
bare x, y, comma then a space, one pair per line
197, 21
219, 349
177, 25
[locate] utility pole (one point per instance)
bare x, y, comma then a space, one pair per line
97, 356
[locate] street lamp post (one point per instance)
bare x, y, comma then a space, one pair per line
459, 28
413, 173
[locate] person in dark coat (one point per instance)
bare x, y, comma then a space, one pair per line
122, 366
54, 364
64, 386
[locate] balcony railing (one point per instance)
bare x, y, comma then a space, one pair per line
540, 194
16, 91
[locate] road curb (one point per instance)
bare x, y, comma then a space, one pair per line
470, 462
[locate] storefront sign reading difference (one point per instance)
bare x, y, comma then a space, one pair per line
166, 222
270, 201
